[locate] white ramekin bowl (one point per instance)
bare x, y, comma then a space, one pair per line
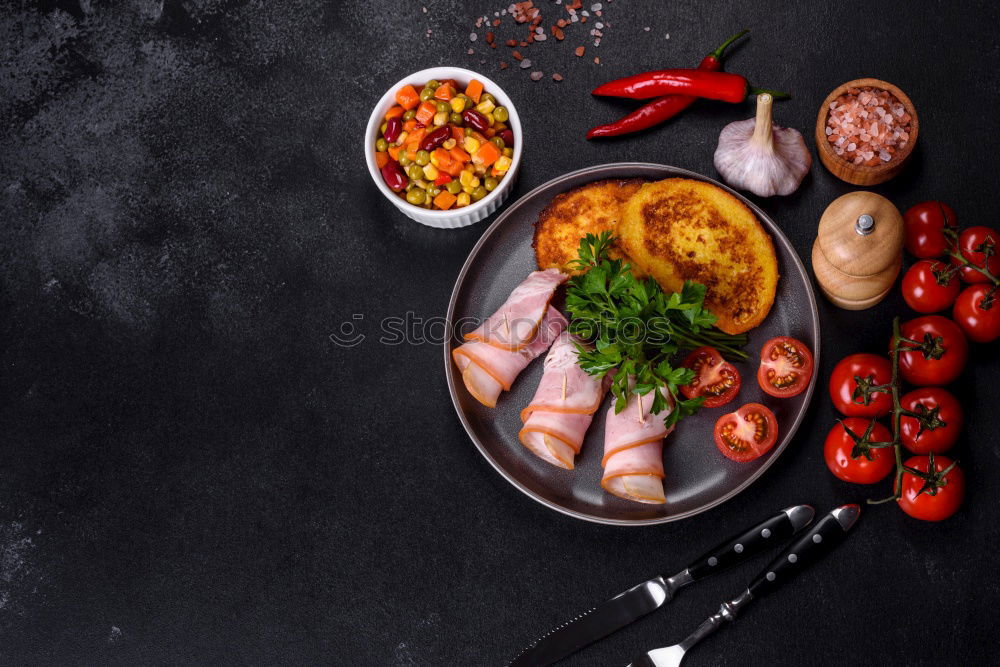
456, 217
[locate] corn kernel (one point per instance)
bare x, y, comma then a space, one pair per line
449, 144
441, 117
468, 179
508, 151
421, 183
485, 107
490, 118
463, 199
457, 104
431, 172
470, 167
468, 189
402, 138
471, 145
434, 160
502, 164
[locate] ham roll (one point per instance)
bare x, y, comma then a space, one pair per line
557, 419
515, 324
633, 450
487, 370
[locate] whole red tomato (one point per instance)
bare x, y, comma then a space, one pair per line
943, 353
977, 311
944, 417
924, 226
872, 370
981, 246
930, 286
944, 496
871, 465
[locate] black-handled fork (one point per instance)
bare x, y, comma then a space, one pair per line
815, 543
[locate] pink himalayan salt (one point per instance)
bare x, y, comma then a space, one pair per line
867, 126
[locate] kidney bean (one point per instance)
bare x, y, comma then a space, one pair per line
393, 127
435, 138
508, 137
475, 119
393, 176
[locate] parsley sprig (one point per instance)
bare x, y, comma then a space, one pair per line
637, 328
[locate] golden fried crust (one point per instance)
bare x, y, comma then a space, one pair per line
680, 229
588, 209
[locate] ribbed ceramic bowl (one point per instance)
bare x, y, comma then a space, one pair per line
456, 217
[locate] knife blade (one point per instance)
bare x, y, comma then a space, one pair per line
650, 595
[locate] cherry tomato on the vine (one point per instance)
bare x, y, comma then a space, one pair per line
974, 243
747, 433
715, 379
872, 370
786, 366
930, 286
923, 225
939, 502
944, 413
944, 354
839, 447
977, 311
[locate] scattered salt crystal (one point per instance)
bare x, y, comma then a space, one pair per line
574, 18
557, 77
668, 36
525, 64
535, 76
884, 156
471, 51
473, 36
829, 130
540, 38
539, 30
598, 25
647, 28
596, 7
851, 146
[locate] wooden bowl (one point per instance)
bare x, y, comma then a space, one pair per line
863, 174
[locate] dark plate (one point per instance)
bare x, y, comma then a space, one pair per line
698, 477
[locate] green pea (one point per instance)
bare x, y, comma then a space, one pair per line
416, 196
468, 131
478, 193
500, 114
486, 97
498, 142
423, 157
433, 191
469, 103
409, 115
490, 183
442, 106
404, 161
415, 171
381, 145
426, 94
508, 152
454, 187
433, 84
455, 119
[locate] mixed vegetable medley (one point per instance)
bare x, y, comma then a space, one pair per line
440, 148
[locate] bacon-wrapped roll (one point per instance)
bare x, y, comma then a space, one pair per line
633, 450
514, 324
556, 420
487, 370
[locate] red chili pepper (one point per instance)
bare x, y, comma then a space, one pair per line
662, 108
721, 86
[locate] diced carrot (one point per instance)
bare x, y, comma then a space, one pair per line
381, 159
443, 179
490, 133
415, 137
457, 133
410, 125
394, 152
455, 168
444, 92
445, 200
474, 90
426, 111
393, 112
460, 155
407, 97
411, 154
441, 156
478, 137
487, 154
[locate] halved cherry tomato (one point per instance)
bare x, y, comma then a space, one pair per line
715, 379
786, 366
941, 501
839, 447
747, 433
929, 287
943, 361
969, 243
945, 413
872, 370
923, 226
977, 311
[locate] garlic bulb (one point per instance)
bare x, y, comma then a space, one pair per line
764, 159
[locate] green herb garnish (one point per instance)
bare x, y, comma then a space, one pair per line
638, 328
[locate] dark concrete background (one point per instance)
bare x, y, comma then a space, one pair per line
191, 472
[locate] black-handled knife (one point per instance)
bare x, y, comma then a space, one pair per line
815, 543
648, 596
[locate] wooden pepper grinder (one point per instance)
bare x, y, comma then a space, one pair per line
858, 250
